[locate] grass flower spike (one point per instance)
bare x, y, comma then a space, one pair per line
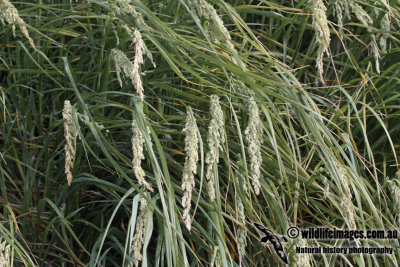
347, 204
70, 133
361, 14
394, 188
320, 25
208, 12
122, 64
215, 141
241, 232
385, 25
218, 31
253, 135
190, 167
241, 215
304, 259
341, 10
126, 7
367, 20
138, 239
139, 49
129, 69
138, 156
9, 14
5, 259
268, 112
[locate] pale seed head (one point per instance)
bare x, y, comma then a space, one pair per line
215, 141
253, 134
138, 156
70, 134
9, 14
190, 167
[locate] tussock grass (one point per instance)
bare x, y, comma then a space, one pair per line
327, 94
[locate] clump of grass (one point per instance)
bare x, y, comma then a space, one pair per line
366, 20
315, 154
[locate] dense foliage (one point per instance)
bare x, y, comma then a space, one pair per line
288, 110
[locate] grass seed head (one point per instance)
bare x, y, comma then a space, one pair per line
219, 32
215, 141
138, 239
367, 20
361, 14
241, 232
139, 49
394, 188
138, 156
5, 258
320, 25
376, 53
253, 134
303, 259
347, 204
70, 133
129, 69
126, 7
190, 167
385, 25
348, 211
341, 9
9, 14
122, 64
